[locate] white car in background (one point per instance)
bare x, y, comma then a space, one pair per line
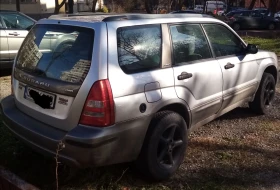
277, 15
198, 8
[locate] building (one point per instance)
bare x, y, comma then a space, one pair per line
46, 7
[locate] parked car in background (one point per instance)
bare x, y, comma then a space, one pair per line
184, 11
236, 13
14, 27
198, 8
277, 15
212, 7
252, 20
131, 87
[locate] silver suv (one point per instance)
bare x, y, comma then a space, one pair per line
123, 88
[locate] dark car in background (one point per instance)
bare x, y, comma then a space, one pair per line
184, 11
254, 19
236, 13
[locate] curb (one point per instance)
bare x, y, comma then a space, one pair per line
9, 181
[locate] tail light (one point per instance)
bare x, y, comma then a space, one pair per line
99, 107
215, 11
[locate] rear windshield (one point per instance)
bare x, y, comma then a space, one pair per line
58, 52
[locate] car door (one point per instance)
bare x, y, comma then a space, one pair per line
4, 48
244, 19
17, 27
198, 76
256, 20
239, 69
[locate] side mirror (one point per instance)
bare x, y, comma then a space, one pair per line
251, 49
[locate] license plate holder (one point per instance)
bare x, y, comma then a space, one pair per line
52, 97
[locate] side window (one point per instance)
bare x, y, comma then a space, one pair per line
223, 41
139, 48
256, 14
17, 21
189, 43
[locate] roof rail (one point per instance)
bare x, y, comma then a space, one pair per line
79, 14
152, 16
130, 16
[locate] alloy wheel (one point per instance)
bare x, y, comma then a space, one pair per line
268, 93
170, 147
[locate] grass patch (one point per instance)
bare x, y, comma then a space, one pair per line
265, 44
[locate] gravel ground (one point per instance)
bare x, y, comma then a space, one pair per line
239, 150
5, 86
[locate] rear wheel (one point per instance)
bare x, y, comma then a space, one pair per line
164, 147
271, 26
264, 95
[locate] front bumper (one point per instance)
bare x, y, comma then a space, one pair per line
84, 146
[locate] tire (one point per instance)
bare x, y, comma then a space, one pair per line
264, 95
164, 147
236, 26
271, 26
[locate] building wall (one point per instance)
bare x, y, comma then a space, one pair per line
40, 7
259, 4
33, 8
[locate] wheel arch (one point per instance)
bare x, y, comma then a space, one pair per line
179, 108
272, 70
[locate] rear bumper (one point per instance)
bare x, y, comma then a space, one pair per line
84, 146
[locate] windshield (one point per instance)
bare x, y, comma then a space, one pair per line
57, 52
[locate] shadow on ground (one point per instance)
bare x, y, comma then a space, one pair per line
5, 72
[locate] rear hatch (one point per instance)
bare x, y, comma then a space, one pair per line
50, 68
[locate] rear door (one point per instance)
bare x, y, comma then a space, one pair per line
17, 27
198, 76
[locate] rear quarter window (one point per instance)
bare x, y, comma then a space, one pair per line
139, 48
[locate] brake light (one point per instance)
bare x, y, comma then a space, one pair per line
99, 107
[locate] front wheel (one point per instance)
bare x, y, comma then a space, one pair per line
271, 26
265, 95
236, 26
164, 147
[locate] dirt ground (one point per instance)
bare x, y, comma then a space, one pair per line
239, 150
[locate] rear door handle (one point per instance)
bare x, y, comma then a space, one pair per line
184, 75
229, 66
14, 34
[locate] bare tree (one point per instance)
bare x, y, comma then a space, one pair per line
93, 5
18, 5
58, 6
70, 5
273, 6
148, 6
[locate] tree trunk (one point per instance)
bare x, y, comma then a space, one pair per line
262, 1
93, 5
18, 5
252, 4
273, 6
204, 8
71, 4
148, 7
58, 6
